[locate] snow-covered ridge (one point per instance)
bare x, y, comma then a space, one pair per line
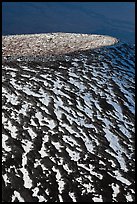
52, 43
68, 130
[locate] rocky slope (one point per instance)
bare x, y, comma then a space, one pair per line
68, 127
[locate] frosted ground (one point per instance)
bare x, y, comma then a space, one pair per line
68, 127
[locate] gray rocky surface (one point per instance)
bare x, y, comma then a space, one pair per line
52, 43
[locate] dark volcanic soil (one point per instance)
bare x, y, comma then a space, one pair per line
68, 127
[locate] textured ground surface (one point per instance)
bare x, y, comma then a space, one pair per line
68, 127
51, 43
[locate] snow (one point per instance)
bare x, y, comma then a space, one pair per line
60, 181
35, 193
98, 198
4, 146
72, 195
113, 140
27, 181
18, 196
116, 189
75, 156
6, 180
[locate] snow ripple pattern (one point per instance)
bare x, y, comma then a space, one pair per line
68, 127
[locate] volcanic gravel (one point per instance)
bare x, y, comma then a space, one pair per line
52, 43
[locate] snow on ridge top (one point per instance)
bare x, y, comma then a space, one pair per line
52, 43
